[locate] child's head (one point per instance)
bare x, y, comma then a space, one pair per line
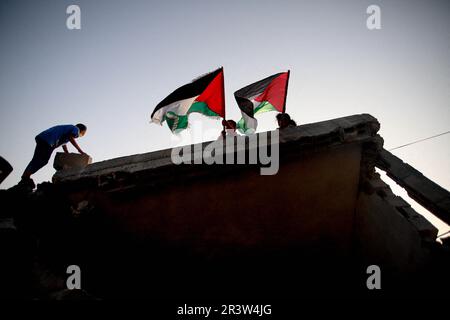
232, 125
283, 120
82, 129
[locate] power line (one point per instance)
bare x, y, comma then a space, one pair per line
417, 141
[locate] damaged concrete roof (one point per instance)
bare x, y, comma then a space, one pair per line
355, 128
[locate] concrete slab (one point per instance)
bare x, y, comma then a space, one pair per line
427, 193
65, 161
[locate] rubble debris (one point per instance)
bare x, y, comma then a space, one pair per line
65, 161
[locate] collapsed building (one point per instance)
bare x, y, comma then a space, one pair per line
142, 226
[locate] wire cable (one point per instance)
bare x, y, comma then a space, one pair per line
417, 141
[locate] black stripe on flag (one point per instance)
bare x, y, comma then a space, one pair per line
189, 90
242, 95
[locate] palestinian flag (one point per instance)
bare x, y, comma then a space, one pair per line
268, 94
204, 95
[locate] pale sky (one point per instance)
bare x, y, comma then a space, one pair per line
129, 55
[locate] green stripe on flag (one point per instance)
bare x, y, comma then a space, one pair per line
175, 121
247, 125
242, 126
264, 106
202, 108
178, 122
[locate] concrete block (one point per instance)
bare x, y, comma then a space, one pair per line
444, 204
65, 161
425, 188
428, 231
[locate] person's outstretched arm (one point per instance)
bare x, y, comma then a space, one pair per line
75, 144
65, 148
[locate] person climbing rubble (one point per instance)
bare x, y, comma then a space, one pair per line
46, 142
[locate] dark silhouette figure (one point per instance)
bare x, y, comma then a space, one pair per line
229, 128
284, 121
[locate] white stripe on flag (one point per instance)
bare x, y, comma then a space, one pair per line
180, 107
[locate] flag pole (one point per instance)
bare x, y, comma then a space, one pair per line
223, 99
287, 84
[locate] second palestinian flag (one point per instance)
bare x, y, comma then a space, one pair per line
265, 95
204, 95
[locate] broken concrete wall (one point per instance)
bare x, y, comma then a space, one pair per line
326, 208
389, 233
310, 202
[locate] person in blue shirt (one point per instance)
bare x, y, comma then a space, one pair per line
49, 140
